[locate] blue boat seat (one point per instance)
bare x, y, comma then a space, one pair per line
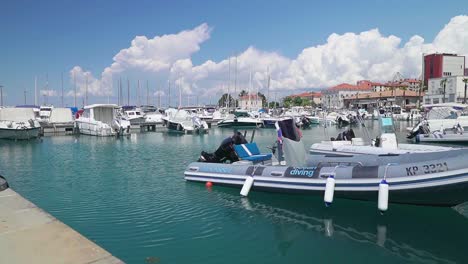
251, 152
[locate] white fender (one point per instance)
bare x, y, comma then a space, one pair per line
247, 185
383, 196
329, 190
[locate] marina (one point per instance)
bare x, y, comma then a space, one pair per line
252, 132
156, 212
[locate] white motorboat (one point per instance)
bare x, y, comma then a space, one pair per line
240, 120
183, 122
18, 123
134, 115
152, 114
45, 111
441, 117
434, 178
101, 120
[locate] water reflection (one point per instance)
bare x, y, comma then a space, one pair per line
408, 232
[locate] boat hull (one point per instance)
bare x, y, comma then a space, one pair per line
229, 124
21, 134
439, 189
94, 129
442, 138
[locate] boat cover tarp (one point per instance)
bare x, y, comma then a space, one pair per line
61, 115
17, 114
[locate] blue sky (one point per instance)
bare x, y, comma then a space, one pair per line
40, 38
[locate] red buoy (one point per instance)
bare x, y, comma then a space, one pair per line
209, 184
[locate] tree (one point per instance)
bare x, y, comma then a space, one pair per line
264, 101
287, 101
273, 104
297, 101
465, 80
223, 101
242, 93
442, 84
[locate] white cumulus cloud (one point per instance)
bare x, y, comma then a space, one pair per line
347, 57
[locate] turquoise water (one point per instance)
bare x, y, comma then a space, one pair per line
129, 196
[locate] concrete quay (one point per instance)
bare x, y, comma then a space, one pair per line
30, 235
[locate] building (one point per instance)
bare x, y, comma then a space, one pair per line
404, 98
315, 97
440, 65
249, 102
454, 90
334, 97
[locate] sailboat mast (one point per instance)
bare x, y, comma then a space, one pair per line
169, 95
62, 89
180, 95
138, 93
74, 87
86, 99
268, 88
235, 83
229, 85
147, 93
250, 88
128, 92
35, 90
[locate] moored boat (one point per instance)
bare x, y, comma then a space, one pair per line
18, 123
427, 178
100, 120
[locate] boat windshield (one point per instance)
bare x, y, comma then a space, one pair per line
386, 125
443, 113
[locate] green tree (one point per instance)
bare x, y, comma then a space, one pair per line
287, 101
242, 93
297, 101
264, 101
223, 101
273, 104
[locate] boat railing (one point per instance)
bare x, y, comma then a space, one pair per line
339, 164
386, 169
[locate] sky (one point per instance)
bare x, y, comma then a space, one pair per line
194, 46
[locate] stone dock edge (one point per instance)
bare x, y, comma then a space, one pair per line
28, 234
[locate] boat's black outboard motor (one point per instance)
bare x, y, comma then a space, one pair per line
305, 122
225, 151
422, 129
345, 135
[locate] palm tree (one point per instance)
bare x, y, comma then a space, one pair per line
465, 80
442, 83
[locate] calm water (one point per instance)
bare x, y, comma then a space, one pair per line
129, 196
